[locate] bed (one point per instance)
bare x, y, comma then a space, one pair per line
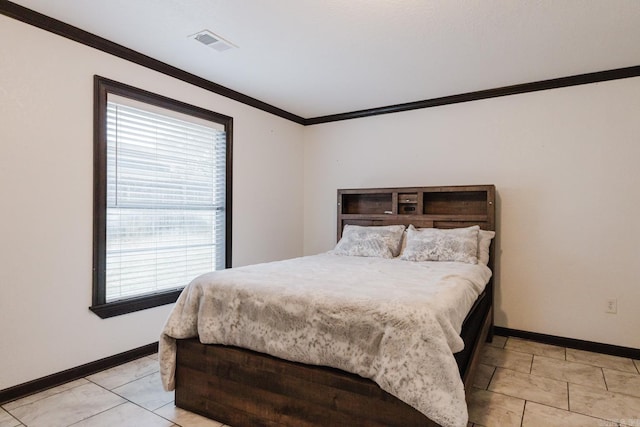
279, 381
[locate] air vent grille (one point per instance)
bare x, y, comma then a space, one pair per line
213, 41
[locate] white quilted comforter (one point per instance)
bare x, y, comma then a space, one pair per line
395, 322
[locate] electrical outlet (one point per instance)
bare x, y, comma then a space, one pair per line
612, 305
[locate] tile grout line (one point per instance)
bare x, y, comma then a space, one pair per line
512, 350
504, 346
531, 364
108, 391
495, 368
133, 403
573, 412
96, 414
590, 415
504, 394
566, 381
606, 357
67, 390
604, 378
42, 398
173, 423
138, 405
11, 415
593, 364
124, 384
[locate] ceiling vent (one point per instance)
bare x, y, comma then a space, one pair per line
212, 40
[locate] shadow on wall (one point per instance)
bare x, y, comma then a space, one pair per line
497, 247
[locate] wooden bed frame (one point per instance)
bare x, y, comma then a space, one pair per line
240, 387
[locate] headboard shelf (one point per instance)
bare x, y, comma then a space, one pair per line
441, 207
367, 203
461, 217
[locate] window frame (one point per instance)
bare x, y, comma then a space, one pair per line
103, 87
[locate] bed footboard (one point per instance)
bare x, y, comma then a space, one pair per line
240, 387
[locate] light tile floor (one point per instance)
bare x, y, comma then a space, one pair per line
519, 383
524, 383
126, 395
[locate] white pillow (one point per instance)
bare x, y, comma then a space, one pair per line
434, 244
373, 241
484, 241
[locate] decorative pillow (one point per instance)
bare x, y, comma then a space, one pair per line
434, 244
484, 241
374, 241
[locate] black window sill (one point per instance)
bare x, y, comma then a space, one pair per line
131, 305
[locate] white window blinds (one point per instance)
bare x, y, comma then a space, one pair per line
165, 200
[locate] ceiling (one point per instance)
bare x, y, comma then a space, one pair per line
320, 57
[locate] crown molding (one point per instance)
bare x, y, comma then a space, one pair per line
581, 79
60, 28
70, 32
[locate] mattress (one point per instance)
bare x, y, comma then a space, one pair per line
393, 321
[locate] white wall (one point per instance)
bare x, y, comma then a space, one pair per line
565, 164
46, 176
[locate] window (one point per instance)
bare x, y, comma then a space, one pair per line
162, 197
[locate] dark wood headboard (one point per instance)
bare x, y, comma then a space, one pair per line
439, 207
